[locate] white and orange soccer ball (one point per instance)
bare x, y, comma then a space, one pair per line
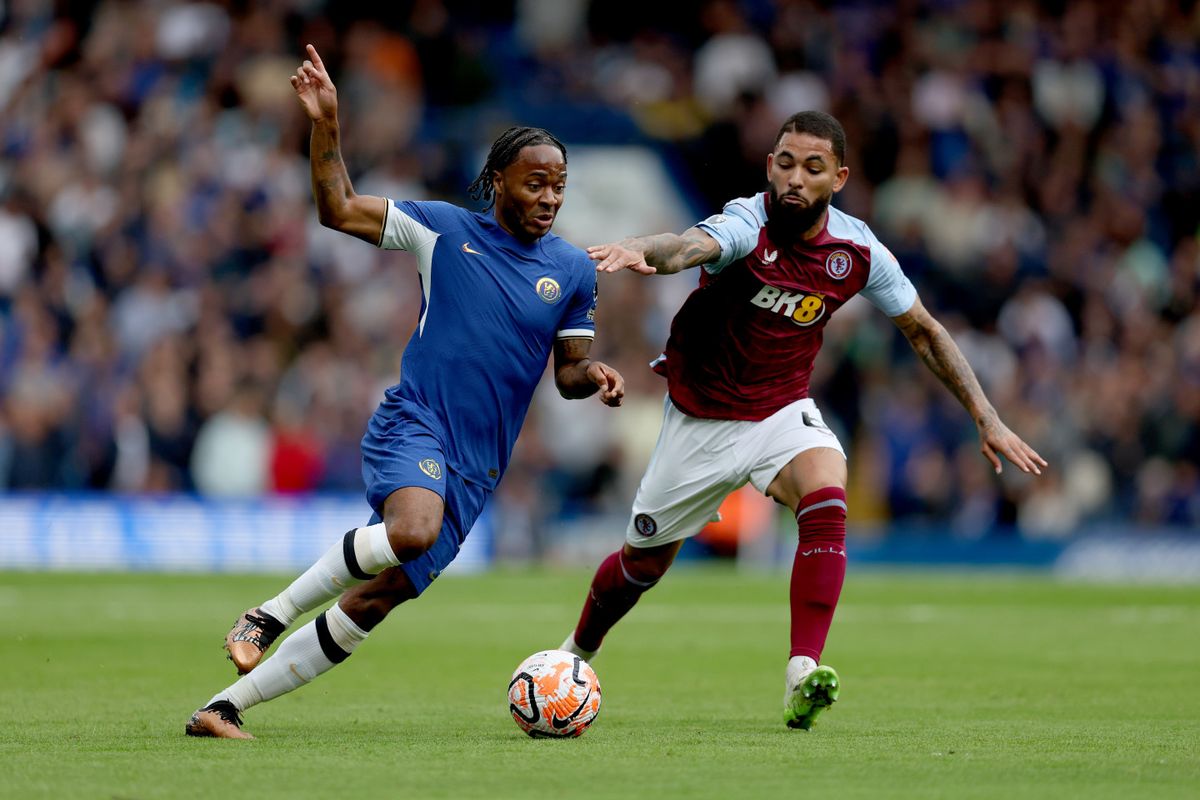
554, 693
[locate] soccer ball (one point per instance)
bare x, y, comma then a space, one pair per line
554, 693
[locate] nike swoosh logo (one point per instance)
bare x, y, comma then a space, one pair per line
562, 723
296, 672
466, 248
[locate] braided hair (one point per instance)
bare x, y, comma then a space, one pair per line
504, 151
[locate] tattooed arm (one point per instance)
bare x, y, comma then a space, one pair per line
939, 352
662, 253
338, 207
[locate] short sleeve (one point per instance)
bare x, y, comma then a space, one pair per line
736, 230
888, 288
579, 321
409, 225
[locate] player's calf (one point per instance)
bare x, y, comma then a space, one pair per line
358, 556
614, 591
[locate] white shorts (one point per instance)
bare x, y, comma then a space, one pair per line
698, 462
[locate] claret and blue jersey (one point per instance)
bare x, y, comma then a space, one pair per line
744, 343
492, 307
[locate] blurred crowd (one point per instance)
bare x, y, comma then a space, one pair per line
173, 318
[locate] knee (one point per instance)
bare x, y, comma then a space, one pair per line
411, 538
648, 564
821, 517
412, 517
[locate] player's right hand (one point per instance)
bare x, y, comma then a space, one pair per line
314, 89
612, 385
616, 257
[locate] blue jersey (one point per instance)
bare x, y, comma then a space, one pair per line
492, 307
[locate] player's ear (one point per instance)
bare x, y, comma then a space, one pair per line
843, 174
497, 182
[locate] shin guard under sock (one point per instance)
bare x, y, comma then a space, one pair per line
818, 569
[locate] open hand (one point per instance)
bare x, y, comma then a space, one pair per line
616, 257
997, 440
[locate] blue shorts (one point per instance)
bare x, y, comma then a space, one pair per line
399, 452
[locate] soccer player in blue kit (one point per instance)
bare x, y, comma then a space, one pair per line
499, 293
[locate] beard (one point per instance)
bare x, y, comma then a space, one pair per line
790, 222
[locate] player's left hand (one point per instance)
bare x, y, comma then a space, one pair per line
612, 385
997, 440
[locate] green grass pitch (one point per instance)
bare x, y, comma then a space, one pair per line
954, 686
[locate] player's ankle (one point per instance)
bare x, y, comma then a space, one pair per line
572, 646
798, 667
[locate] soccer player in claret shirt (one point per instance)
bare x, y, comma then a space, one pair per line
499, 293
776, 266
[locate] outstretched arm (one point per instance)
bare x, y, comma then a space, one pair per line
338, 207
939, 352
577, 376
662, 253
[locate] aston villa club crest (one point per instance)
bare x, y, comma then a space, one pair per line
838, 264
549, 290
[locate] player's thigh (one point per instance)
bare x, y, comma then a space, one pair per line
464, 504
403, 469
794, 453
689, 475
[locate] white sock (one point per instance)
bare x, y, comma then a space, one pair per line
332, 574
570, 646
315, 648
345, 631
798, 668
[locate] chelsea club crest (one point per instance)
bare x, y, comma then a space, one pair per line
549, 290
